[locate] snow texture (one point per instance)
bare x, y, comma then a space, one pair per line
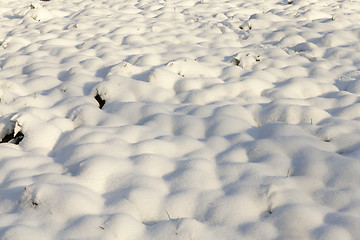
179, 119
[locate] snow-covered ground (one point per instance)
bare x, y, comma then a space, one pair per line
179, 119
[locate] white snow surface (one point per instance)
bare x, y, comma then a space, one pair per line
222, 119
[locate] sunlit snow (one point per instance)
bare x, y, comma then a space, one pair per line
179, 119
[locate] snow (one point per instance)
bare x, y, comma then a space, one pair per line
175, 119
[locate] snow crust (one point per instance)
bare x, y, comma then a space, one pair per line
171, 119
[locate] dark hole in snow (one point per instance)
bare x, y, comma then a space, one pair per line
100, 101
18, 138
10, 138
